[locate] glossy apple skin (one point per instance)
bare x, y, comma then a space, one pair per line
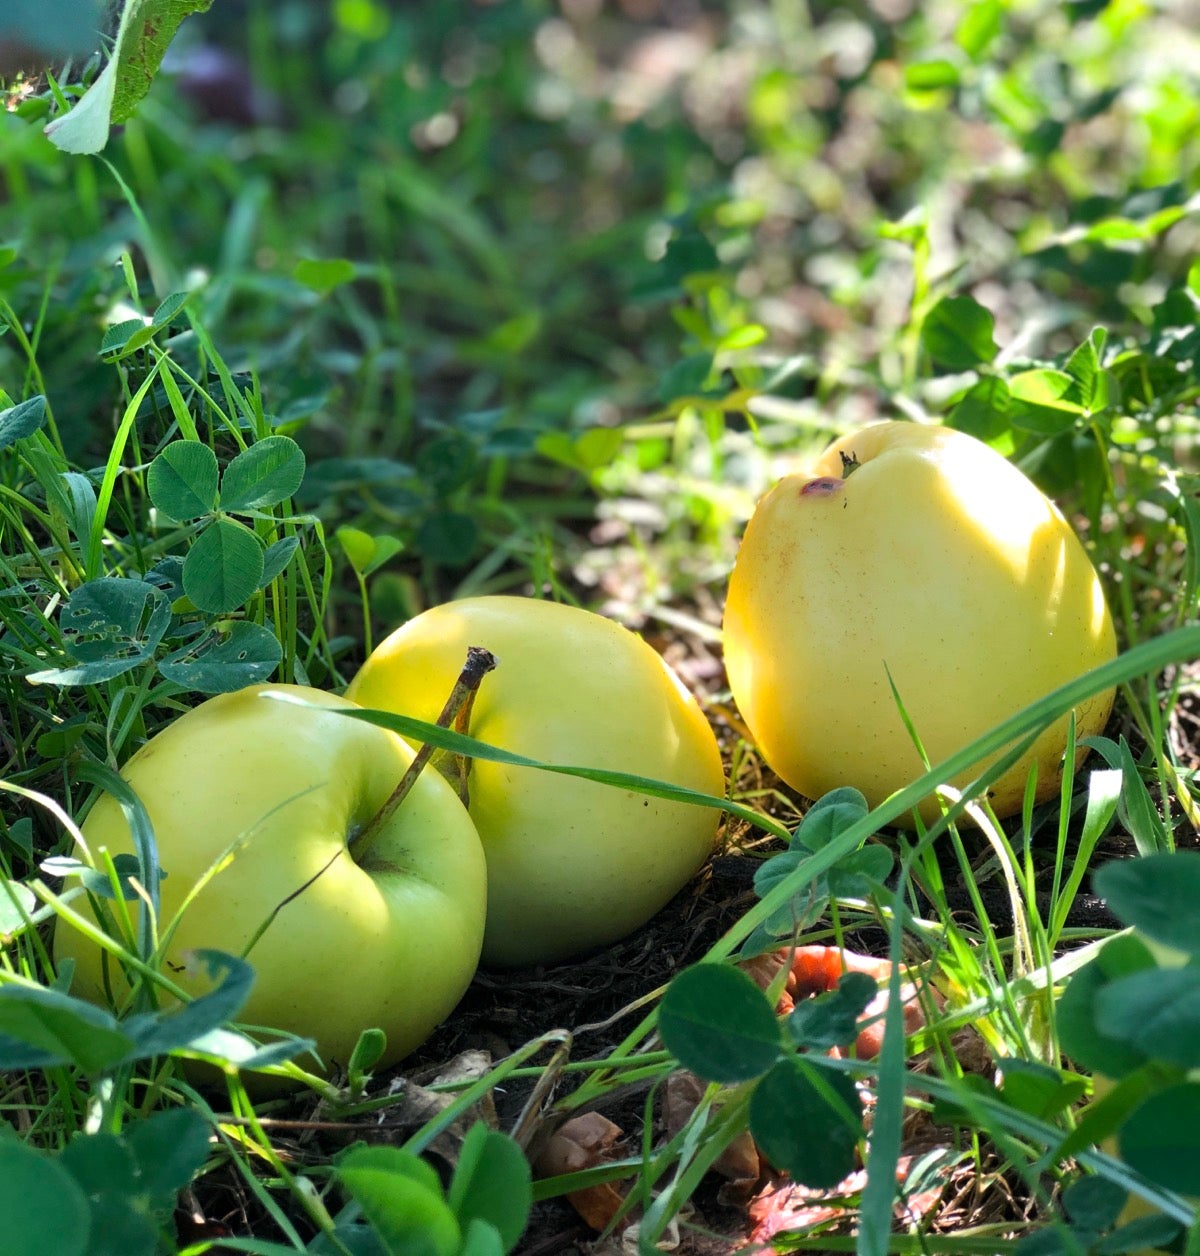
936, 559
572, 864
392, 944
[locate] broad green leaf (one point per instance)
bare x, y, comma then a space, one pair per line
1076, 1014
401, 1196
1157, 894
19, 834
1156, 1011
357, 545
805, 908
481, 1238
224, 658
719, 1024
22, 420
1044, 401
512, 336
114, 617
598, 446
1038, 1089
40, 1028
99, 1163
227, 1047
224, 567
831, 1020
1094, 1201
85, 128
108, 626
1155, 1233
143, 43
44, 1210
159, 1032
858, 874
1161, 1138
982, 411
104, 1168
277, 556
169, 307
323, 275
830, 816
807, 1120
182, 480
367, 553
957, 333
117, 338
1096, 387
492, 1183
264, 475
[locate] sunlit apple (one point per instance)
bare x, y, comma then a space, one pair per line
913, 555
388, 941
572, 864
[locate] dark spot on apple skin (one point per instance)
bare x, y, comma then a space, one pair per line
822, 486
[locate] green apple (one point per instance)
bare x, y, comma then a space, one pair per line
572, 864
391, 943
920, 552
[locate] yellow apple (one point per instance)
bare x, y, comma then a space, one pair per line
572, 864
917, 551
392, 943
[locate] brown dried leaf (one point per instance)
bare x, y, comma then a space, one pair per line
581, 1143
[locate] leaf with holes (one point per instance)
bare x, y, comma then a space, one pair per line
223, 568
224, 658
108, 626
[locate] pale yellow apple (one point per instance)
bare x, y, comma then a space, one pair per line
392, 943
917, 551
572, 864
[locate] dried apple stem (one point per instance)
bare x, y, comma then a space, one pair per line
456, 712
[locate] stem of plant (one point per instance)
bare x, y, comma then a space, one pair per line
456, 712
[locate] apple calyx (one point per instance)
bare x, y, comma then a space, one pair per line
456, 712
850, 464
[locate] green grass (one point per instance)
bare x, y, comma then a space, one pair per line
516, 298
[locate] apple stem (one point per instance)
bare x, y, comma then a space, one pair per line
456, 712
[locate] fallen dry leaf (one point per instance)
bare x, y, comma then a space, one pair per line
740, 1163
787, 1206
582, 1143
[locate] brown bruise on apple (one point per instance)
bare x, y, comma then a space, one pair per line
822, 486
